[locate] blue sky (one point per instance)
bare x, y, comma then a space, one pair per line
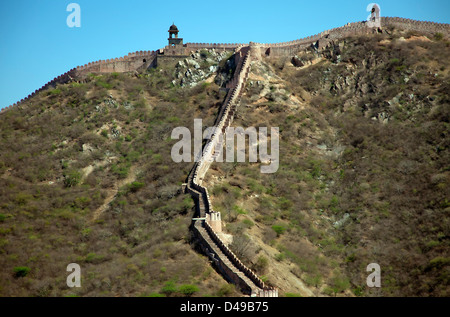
36, 44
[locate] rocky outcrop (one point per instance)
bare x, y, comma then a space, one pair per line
200, 66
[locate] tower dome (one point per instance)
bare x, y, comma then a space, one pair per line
173, 30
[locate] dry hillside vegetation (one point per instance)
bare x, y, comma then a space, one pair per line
86, 176
364, 169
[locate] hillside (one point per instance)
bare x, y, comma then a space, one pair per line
86, 175
363, 176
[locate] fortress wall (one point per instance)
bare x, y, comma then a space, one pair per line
225, 270
233, 258
225, 117
188, 48
292, 47
242, 57
413, 25
131, 62
216, 46
127, 63
61, 79
355, 28
135, 60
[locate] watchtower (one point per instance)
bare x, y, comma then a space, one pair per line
173, 30
374, 20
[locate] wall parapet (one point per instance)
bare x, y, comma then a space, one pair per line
355, 28
95, 66
200, 193
135, 60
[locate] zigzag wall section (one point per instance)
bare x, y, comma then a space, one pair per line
204, 222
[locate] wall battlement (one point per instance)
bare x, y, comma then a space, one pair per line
140, 60
354, 28
206, 229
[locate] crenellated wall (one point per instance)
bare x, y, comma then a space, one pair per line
128, 63
141, 60
427, 27
355, 28
131, 62
207, 222
186, 49
61, 79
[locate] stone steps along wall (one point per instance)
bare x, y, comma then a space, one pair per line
230, 265
225, 267
131, 62
244, 276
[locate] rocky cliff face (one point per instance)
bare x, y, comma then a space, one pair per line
204, 65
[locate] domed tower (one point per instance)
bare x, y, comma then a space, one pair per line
173, 30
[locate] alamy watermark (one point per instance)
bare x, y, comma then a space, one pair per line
74, 18
374, 278
258, 145
373, 19
74, 278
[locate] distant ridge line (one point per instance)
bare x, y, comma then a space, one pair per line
136, 60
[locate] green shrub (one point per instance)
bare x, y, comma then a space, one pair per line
103, 84
280, 256
104, 133
438, 36
2, 217
292, 295
82, 202
262, 263
135, 186
313, 280
225, 290
21, 271
54, 92
339, 283
358, 291
72, 178
278, 229
188, 203
248, 223
169, 288
121, 170
188, 289
239, 210
438, 262
93, 258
